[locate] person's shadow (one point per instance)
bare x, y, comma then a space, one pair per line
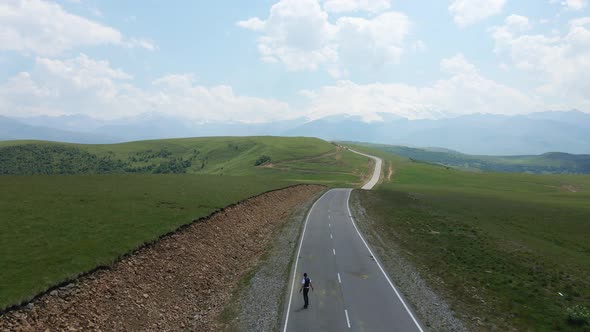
302, 308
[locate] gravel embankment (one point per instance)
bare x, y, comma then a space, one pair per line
181, 282
434, 313
260, 301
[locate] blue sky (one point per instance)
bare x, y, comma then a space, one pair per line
256, 61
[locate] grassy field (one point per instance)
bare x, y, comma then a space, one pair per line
499, 246
558, 163
57, 226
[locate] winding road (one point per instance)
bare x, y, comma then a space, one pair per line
352, 291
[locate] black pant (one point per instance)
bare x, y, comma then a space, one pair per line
305, 297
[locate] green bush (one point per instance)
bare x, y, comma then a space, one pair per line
578, 315
262, 160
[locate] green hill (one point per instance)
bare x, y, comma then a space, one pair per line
293, 158
554, 162
68, 208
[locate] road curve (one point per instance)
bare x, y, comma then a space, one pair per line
352, 291
376, 172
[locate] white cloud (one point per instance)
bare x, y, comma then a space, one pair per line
299, 35
575, 4
141, 43
465, 91
46, 29
467, 12
88, 86
296, 33
457, 65
381, 39
560, 63
179, 95
341, 6
253, 23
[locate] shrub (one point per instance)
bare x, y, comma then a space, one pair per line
262, 160
578, 315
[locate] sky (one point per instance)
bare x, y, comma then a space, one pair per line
262, 61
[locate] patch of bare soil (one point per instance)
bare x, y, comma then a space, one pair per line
570, 188
182, 282
389, 172
566, 187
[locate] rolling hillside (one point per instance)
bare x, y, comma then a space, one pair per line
294, 158
68, 208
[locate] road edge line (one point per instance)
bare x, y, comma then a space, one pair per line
297, 260
347, 319
379, 265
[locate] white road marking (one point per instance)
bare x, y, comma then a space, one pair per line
330, 225
334, 251
379, 265
297, 260
331, 236
339, 280
347, 319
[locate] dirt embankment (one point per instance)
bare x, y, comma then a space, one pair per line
182, 282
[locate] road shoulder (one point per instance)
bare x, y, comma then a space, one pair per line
434, 313
258, 303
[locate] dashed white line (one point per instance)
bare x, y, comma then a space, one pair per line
330, 225
339, 280
331, 236
347, 319
334, 251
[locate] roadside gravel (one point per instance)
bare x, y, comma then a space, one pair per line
258, 304
434, 313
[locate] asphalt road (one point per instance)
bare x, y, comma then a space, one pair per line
352, 291
376, 172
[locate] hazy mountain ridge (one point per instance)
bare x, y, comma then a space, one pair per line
551, 162
536, 133
11, 129
482, 134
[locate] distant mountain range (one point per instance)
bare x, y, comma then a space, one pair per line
535, 133
11, 129
551, 162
